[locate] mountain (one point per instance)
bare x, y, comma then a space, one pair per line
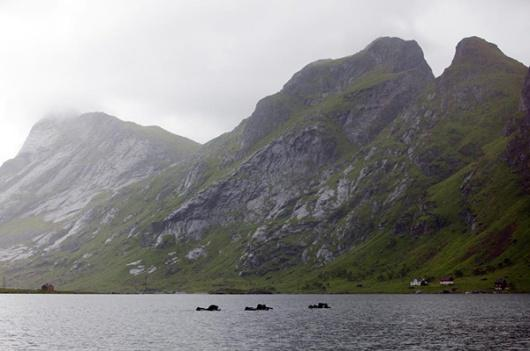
360, 173
66, 166
290, 149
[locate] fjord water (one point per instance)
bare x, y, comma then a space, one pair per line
355, 322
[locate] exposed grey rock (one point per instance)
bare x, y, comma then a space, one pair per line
196, 253
263, 186
324, 201
324, 255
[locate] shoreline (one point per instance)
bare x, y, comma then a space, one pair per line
39, 292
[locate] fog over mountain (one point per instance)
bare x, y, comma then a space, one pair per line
197, 68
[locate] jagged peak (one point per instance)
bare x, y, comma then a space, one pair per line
382, 49
387, 41
399, 53
98, 116
478, 51
388, 44
42, 135
56, 125
385, 56
59, 119
93, 126
475, 57
392, 53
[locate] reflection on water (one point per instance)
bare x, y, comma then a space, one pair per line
355, 322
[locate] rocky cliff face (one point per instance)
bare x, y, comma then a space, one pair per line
66, 162
364, 168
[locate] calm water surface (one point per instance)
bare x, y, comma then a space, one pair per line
355, 322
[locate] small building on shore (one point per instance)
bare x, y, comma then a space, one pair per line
501, 284
48, 287
447, 281
418, 282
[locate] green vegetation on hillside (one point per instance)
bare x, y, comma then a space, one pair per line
414, 183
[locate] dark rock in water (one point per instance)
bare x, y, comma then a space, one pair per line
320, 305
210, 308
49, 288
259, 307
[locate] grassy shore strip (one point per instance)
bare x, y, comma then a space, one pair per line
242, 292
39, 291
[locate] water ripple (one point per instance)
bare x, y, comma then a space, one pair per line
355, 322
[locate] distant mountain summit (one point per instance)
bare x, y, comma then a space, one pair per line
477, 51
66, 162
392, 60
358, 175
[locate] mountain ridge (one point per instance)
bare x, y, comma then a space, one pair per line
358, 174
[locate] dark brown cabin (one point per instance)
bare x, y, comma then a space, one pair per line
49, 288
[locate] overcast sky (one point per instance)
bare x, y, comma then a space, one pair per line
197, 68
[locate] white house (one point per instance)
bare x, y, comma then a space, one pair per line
447, 281
418, 282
